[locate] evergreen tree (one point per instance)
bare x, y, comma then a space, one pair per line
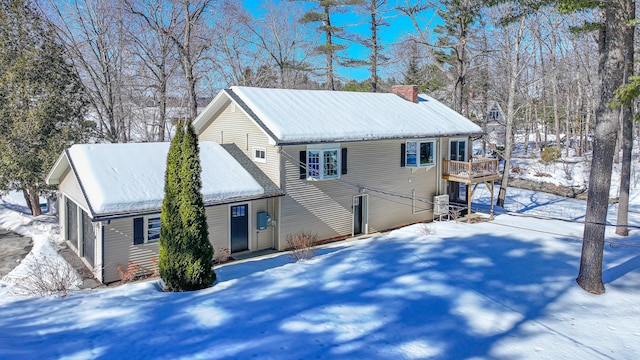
170, 223
42, 103
197, 251
322, 14
185, 251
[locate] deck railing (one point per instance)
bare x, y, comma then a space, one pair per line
474, 169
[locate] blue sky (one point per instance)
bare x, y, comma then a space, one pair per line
399, 28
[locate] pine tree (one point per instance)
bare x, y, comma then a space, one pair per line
170, 223
42, 103
322, 13
197, 250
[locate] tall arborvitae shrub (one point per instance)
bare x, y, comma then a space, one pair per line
197, 251
169, 261
186, 255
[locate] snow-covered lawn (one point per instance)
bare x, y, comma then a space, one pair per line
502, 289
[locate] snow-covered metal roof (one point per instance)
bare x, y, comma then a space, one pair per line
126, 178
299, 116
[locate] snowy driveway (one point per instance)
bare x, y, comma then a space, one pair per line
13, 248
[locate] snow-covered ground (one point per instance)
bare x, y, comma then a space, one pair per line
570, 171
503, 289
43, 230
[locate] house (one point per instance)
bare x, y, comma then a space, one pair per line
110, 197
333, 163
349, 163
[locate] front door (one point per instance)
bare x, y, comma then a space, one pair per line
239, 228
359, 215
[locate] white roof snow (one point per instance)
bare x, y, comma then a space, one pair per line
331, 116
120, 178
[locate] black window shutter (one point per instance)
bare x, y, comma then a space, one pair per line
138, 231
303, 164
344, 161
403, 149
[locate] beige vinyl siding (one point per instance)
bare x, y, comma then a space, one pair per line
218, 221
70, 187
325, 206
219, 225
261, 239
236, 127
120, 250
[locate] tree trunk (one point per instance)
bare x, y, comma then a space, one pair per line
625, 172
32, 198
329, 41
374, 48
513, 84
616, 152
627, 140
610, 73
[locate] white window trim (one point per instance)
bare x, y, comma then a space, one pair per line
258, 159
145, 228
322, 148
466, 147
418, 142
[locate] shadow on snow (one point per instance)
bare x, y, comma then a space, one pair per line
380, 298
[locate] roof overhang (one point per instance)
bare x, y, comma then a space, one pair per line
121, 215
385, 138
58, 170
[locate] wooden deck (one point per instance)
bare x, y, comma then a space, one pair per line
477, 170
473, 172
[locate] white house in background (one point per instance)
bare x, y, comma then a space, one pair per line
110, 197
333, 163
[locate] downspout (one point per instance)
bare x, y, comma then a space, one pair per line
102, 253
439, 167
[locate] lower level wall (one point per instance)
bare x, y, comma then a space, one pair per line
119, 248
395, 195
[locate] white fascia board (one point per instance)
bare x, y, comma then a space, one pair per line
58, 169
206, 115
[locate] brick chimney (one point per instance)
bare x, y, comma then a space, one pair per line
407, 92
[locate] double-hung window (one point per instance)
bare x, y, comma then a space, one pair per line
323, 162
420, 153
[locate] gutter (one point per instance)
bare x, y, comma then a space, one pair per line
122, 215
382, 138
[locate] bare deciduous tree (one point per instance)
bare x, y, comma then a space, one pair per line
182, 22
93, 32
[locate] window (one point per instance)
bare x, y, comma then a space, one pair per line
260, 154
323, 162
153, 229
458, 149
146, 229
420, 153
